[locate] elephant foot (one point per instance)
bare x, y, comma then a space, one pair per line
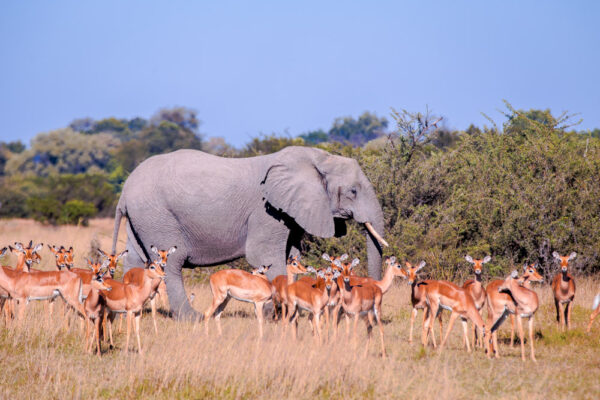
269, 311
188, 315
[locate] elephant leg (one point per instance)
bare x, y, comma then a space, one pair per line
132, 259
266, 244
178, 300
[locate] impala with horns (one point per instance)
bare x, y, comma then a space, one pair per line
477, 291
219, 209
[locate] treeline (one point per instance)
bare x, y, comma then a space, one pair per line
517, 192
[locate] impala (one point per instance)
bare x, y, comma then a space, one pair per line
41, 285
418, 299
281, 282
595, 311
357, 300
477, 291
130, 299
526, 304
563, 288
498, 303
136, 277
242, 286
113, 260
302, 295
94, 307
448, 296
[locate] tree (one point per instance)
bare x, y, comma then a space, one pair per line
315, 137
358, 132
181, 116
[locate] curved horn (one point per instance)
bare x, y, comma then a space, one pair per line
375, 234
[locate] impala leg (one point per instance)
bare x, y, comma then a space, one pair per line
453, 317
466, 334
557, 305
347, 326
121, 323
520, 327
137, 331
326, 323
425, 332
153, 308
129, 315
512, 331
380, 327
97, 324
111, 318
217, 306
258, 310
568, 307
413, 315
531, 338
87, 345
317, 319
592, 318
369, 324
439, 317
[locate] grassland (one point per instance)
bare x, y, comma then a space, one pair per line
40, 360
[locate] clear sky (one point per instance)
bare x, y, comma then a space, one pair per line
269, 66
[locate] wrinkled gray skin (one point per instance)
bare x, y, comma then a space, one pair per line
218, 209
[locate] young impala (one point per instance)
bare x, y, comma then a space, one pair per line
563, 288
281, 282
136, 276
418, 299
499, 302
302, 295
526, 304
359, 300
94, 307
130, 299
477, 291
446, 295
242, 286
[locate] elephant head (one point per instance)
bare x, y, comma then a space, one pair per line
316, 188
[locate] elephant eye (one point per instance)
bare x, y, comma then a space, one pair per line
353, 191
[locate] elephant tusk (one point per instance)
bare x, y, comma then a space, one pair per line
375, 234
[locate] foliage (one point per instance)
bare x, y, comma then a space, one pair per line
315, 137
266, 144
348, 130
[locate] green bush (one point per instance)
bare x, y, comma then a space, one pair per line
77, 212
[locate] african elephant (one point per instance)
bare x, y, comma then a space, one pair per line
218, 209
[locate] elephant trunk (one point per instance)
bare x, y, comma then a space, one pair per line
374, 232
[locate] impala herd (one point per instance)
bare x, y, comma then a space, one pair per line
93, 294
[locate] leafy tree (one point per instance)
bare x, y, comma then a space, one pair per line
186, 118
315, 137
64, 151
218, 146
266, 144
358, 132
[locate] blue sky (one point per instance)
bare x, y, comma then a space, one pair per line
275, 66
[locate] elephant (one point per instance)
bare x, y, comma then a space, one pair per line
217, 209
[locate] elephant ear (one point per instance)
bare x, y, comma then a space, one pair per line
300, 192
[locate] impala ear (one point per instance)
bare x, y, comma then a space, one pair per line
266, 267
298, 188
556, 255
19, 247
337, 263
343, 257
421, 265
514, 274
328, 270
105, 264
321, 274
326, 257
38, 247
172, 250
525, 267
154, 249
392, 260
122, 254
572, 256
486, 259
469, 259
336, 274
355, 262
311, 269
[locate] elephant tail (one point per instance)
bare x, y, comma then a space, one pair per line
118, 216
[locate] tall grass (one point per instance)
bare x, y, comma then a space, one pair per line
42, 360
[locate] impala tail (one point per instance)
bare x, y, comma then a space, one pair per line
596, 302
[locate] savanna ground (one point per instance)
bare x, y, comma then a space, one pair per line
42, 360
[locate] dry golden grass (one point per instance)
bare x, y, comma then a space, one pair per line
47, 361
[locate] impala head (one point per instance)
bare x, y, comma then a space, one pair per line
506, 284
98, 281
345, 270
155, 270
478, 264
564, 261
413, 270
112, 259
331, 259
29, 253
329, 276
293, 265
59, 254
163, 255
395, 266
530, 274
68, 257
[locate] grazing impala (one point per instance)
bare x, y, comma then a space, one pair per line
563, 288
94, 307
130, 299
418, 299
41, 285
357, 300
242, 286
136, 276
446, 295
304, 296
281, 282
477, 291
526, 304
